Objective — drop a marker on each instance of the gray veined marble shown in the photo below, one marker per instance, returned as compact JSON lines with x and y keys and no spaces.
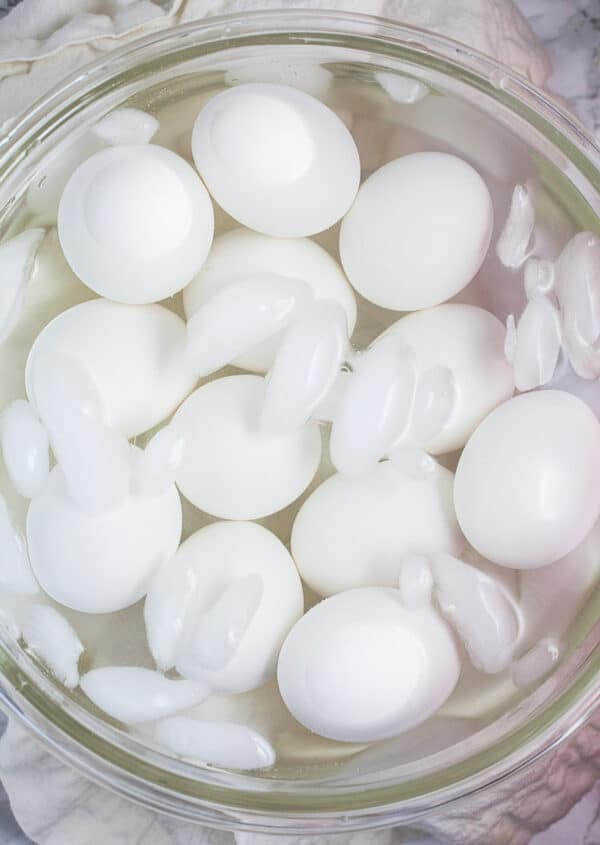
{"x":570,"y":31}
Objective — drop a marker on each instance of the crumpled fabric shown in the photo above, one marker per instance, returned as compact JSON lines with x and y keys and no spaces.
{"x":41,"y":41}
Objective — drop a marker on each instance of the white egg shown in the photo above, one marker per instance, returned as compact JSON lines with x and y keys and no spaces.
{"x":418,"y":231}
{"x":222,"y":607}
{"x":99,"y":564}
{"x":233,"y":469}
{"x":355,"y":531}
{"x":359,"y":666}
{"x":134,"y":353}
{"x":469,"y":341}
{"x":526,"y":490}
{"x":135,"y":223}
{"x":241,"y":253}
{"x":276,"y":159}
{"x":121,"y":126}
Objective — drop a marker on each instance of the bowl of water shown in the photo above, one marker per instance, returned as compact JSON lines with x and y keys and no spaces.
{"x":399,"y":91}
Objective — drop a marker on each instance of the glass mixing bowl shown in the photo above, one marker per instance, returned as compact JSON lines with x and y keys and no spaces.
{"x":511,"y":132}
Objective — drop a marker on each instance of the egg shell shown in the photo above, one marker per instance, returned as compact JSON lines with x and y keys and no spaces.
{"x":276,"y":159}
{"x":135,"y":223}
{"x":204,"y":566}
{"x":361,"y":667}
{"x":99,"y":564}
{"x":526,"y":490}
{"x":417,"y":232}
{"x":240,"y":253}
{"x":232,"y":469}
{"x":134,"y":353}
{"x":470,"y":342}
{"x":355,"y":531}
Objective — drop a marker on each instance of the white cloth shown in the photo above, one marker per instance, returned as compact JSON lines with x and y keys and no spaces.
{"x":41,"y":41}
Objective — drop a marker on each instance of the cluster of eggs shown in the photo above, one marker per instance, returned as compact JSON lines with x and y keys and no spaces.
{"x":380,"y":540}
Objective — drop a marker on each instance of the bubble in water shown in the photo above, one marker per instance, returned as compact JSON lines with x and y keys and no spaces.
{"x":218,"y":743}
{"x":239,"y":317}
{"x":24,"y":448}
{"x":49,"y":635}
{"x":514,"y":242}
{"x":538,"y":344}
{"x":306,"y":366}
{"x":133,"y":694}
{"x":375,"y":408}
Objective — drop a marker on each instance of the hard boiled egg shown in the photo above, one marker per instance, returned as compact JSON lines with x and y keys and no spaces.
{"x":276,"y":159}
{"x":133,"y":353}
{"x":360,"y":667}
{"x":354,"y":531}
{"x":417,"y":232}
{"x":101,"y":563}
{"x":232,"y":468}
{"x":526,"y":490}
{"x":135,"y":223}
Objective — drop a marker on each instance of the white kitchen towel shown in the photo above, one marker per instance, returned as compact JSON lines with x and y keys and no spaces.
{"x":41,"y":41}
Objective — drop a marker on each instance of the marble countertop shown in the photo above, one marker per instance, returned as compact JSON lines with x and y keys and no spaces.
{"x":570,"y":30}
